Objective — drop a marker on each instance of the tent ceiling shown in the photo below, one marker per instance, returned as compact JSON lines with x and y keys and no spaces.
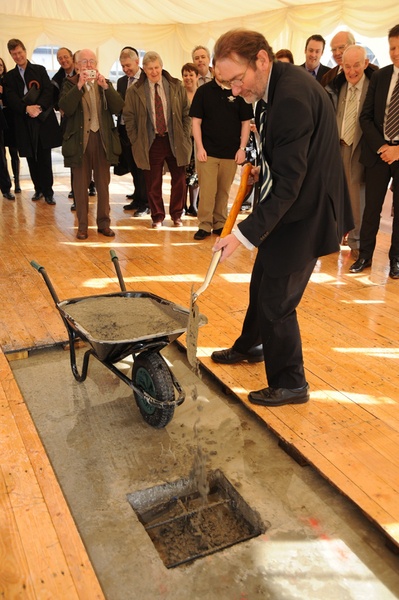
{"x":150,"y":12}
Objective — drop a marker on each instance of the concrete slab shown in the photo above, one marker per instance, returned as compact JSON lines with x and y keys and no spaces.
{"x":318,"y":545}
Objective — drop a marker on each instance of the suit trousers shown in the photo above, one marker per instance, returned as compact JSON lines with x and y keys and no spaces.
{"x":271,"y":319}
{"x":161,"y":152}
{"x":140,"y":193}
{"x":215,"y":177}
{"x":5,"y":181}
{"x":41,"y":171}
{"x":357,"y":197}
{"x":377,"y":180}
{"x":94,"y":160}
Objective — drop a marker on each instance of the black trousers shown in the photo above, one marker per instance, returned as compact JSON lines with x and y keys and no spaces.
{"x":5,"y":181}
{"x":140,"y":193}
{"x":41,"y":171}
{"x":377,"y":180}
{"x":271,"y":319}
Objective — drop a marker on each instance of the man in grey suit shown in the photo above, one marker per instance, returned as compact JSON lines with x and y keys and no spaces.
{"x":303,"y":211}
{"x":380,"y":155}
{"x":350,"y":102}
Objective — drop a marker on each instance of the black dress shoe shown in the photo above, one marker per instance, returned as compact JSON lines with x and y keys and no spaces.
{"x":394,"y":269}
{"x":130,"y":196}
{"x":73,"y":206}
{"x":18,"y":189}
{"x":217,"y":231}
{"x":201,"y":234}
{"x":132,"y":206}
{"x":360,"y":265}
{"x":107,"y":231}
{"x":231,"y":356}
{"x":37,"y":196}
{"x":50,"y":200}
{"x":70,"y":195}
{"x":9,"y":196}
{"x":279,"y":396}
{"x":92,"y":191}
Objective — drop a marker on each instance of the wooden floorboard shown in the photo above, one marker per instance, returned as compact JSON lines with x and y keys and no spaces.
{"x":349,"y":431}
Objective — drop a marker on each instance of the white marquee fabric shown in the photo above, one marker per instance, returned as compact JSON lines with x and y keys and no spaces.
{"x":173,"y":28}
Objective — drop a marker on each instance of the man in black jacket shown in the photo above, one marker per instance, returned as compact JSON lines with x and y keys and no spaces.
{"x":303,"y":211}
{"x":380,"y":156}
{"x":29,"y":95}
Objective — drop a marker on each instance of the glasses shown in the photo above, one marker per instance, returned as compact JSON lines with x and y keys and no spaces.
{"x":236,"y":82}
{"x":86,"y":62}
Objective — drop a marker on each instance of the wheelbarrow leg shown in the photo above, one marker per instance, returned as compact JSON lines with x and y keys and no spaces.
{"x":80,"y":377}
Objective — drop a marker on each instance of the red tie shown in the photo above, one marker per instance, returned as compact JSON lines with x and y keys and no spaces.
{"x":159,"y":114}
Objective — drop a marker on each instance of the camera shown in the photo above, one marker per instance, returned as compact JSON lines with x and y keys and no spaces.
{"x":91,"y":73}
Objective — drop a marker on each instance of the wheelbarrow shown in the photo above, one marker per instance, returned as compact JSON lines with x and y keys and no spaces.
{"x":127,"y":323}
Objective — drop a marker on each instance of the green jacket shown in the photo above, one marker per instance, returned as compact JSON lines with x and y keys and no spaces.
{"x":74,"y":105}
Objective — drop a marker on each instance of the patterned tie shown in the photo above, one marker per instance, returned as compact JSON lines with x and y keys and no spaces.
{"x":350,"y":118}
{"x":267,"y":182}
{"x":392,"y":123}
{"x":160,"y":123}
{"x":130,"y":81}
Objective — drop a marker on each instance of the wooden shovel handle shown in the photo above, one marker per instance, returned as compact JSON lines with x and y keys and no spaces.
{"x":243,"y":190}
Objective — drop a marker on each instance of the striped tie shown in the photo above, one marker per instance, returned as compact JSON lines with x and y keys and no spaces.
{"x":392,"y":123}
{"x":350,"y":118}
{"x":266,"y":184}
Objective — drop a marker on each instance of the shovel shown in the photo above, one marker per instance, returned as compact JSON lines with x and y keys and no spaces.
{"x":194,"y":316}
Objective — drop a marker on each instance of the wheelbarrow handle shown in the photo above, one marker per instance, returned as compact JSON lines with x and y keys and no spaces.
{"x":115,"y":260}
{"x":46,"y":278}
{"x":36,"y":265}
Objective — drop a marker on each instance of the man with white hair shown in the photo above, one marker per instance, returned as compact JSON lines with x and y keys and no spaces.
{"x":91,"y":142}
{"x":350,"y":102}
{"x":339,"y":43}
{"x":159,"y":128}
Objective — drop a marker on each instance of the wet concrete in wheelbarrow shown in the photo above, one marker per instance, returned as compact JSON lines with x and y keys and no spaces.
{"x":317,"y":544}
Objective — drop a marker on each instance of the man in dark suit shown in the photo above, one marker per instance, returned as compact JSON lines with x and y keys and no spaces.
{"x":129,"y":60}
{"x":314,"y":49}
{"x":380,"y":156}
{"x":29,"y":95}
{"x":303,"y":211}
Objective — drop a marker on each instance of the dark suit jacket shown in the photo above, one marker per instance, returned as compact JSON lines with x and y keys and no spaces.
{"x":28,"y":131}
{"x":57,"y":80}
{"x":121,"y":87}
{"x":372,"y":115}
{"x":308,"y":210}
{"x":320,"y":73}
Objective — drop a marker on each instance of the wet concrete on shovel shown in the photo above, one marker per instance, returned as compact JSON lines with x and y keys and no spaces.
{"x":315,"y":544}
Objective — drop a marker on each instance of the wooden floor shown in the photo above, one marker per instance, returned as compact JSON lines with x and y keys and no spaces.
{"x":349,"y":431}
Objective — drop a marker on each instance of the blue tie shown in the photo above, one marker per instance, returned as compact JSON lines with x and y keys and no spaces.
{"x":267,"y":182}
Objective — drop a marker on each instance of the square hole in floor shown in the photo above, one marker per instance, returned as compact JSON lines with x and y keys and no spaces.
{"x":185,"y":525}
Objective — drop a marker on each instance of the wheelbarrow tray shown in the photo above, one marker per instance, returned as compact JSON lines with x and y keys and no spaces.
{"x":115,"y":326}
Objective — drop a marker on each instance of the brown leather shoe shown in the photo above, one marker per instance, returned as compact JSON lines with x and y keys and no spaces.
{"x":82,"y":235}
{"x":107,"y":231}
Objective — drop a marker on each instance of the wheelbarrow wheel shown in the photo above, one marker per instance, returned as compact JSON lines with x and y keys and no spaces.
{"x":151,"y":374}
